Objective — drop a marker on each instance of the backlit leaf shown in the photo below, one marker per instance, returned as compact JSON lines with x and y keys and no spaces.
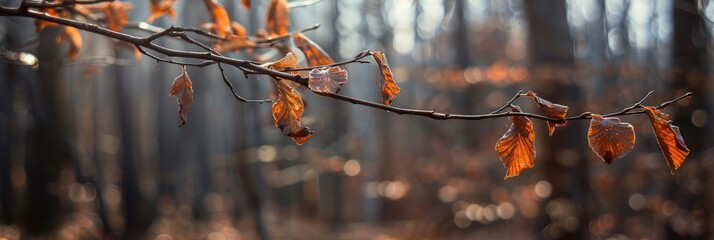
{"x":75,"y":41}
{"x":389,"y":87}
{"x":183,"y":89}
{"x":289,"y":61}
{"x":277,"y":20}
{"x":609,"y":138}
{"x":160,"y":8}
{"x":516,"y":147}
{"x":668,"y":137}
{"x":327,"y":79}
{"x":221,"y":23}
{"x":287,"y":110}
{"x":115,"y":12}
{"x":313,"y":53}
{"x":551,"y":110}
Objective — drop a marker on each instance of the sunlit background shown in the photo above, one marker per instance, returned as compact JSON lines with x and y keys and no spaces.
{"x":90,"y":149}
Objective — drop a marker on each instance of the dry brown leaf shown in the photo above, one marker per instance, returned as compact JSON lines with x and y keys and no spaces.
{"x":289,"y":61}
{"x":609,"y":138}
{"x":668,"y":137}
{"x":160,"y":8}
{"x":246,"y":4}
{"x":116,"y":15}
{"x":389,"y":87}
{"x":287,"y":111}
{"x":238,"y":29}
{"x":75,"y":41}
{"x":183,"y":89}
{"x":551,"y":110}
{"x":516,"y":147}
{"x":221,"y":23}
{"x":289,"y":107}
{"x":327,"y":80}
{"x":313,"y":53}
{"x":277,"y":20}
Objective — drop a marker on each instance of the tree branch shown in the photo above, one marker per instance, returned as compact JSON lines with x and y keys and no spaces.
{"x":210,"y":57}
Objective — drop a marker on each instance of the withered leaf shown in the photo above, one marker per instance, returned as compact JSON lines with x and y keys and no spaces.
{"x":389,"y":87}
{"x":289,"y":61}
{"x":609,"y":138}
{"x":516,"y":147}
{"x":289,"y":107}
{"x":238,"y":29}
{"x":327,"y":79}
{"x":160,"y":8}
{"x":277,"y":19}
{"x":115,"y":12}
{"x":668,"y":137}
{"x":183,"y":89}
{"x":551,"y":110}
{"x":75,"y":41}
{"x":221,"y":23}
{"x":287,"y":111}
{"x":313,"y":53}
{"x":246,"y":4}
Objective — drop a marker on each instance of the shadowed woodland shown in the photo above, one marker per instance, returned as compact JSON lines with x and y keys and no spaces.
{"x":91,"y":148}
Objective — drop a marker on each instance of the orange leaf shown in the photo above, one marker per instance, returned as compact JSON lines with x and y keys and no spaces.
{"x":551,"y":110}
{"x":287,"y":111}
{"x":183,"y":89}
{"x":75,"y":41}
{"x":289,"y":61}
{"x":160,"y":8}
{"x":668,"y":137}
{"x":609,"y":138}
{"x":221,"y":22}
{"x":516,"y":146}
{"x":289,"y":107}
{"x":115,"y":13}
{"x":327,"y":80}
{"x":246,"y":4}
{"x":238,"y":30}
{"x":389,"y":87}
{"x":277,"y":19}
{"x":314,"y":54}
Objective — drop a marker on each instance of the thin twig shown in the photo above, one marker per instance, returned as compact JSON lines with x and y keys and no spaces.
{"x":238,"y":97}
{"x":303,"y":3}
{"x":518,"y":94}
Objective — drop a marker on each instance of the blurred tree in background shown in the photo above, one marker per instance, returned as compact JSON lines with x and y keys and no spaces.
{"x":89,"y":149}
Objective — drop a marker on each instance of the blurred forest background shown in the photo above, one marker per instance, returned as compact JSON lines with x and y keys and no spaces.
{"x":91,"y":149}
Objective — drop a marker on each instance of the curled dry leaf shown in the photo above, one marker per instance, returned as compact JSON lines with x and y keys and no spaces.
{"x":277,"y":19}
{"x":160,"y":8}
{"x":668,"y":137}
{"x":551,"y":110}
{"x":221,"y":23}
{"x":327,"y":79}
{"x":313,"y":53}
{"x":287,"y":111}
{"x":389,"y":87}
{"x":115,"y":12}
{"x":183,"y":89}
{"x":609,"y":138}
{"x":288,"y":108}
{"x":75,"y":41}
{"x":516,"y":147}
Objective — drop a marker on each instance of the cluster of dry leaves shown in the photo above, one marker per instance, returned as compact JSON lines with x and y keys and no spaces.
{"x":608,"y":137}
